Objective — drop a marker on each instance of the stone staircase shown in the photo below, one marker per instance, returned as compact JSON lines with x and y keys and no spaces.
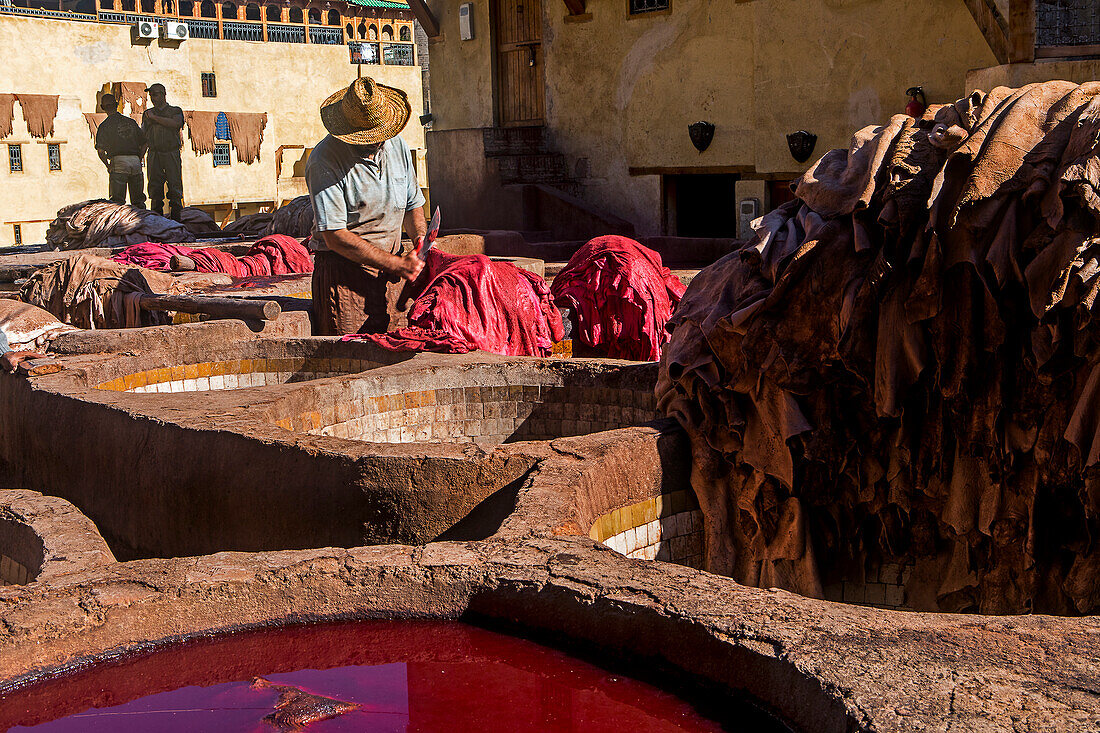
{"x":524,"y":157}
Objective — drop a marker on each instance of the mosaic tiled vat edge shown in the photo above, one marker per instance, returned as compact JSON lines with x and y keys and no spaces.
{"x":488,"y":402}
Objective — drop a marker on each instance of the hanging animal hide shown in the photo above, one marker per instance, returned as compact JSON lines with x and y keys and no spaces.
{"x":200,"y":128}
{"x":246,"y":130}
{"x":7,"y":111}
{"x":94,"y":119}
{"x":131,"y":95}
{"x":39,"y":112}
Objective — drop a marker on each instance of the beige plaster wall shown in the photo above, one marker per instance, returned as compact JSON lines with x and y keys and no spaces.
{"x":74,"y":59}
{"x":462,"y":71}
{"x":622,"y":90}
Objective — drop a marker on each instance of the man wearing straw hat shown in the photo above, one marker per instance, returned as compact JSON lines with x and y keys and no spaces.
{"x":362,"y":182}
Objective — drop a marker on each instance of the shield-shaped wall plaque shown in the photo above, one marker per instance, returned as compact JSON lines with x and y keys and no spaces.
{"x":701,"y":135}
{"x":802,"y":145}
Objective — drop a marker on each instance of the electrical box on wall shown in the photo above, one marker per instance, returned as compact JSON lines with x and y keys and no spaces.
{"x":750,"y":209}
{"x":466,"y":21}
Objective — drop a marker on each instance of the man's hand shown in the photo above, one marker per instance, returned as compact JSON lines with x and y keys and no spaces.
{"x":12,"y":359}
{"x":409,"y":267}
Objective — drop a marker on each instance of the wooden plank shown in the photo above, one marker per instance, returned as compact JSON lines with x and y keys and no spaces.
{"x":260,"y":310}
{"x":426,"y":17}
{"x":992,"y":25}
{"x":1021,"y":31}
{"x":1061,"y":52}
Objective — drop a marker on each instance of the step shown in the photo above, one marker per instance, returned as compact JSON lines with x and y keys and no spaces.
{"x":514,"y":141}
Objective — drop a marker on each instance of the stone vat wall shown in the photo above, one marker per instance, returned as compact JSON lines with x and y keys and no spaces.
{"x":20,"y":553}
{"x":43,"y":537}
{"x":166,"y":477}
{"x":820,"y":666}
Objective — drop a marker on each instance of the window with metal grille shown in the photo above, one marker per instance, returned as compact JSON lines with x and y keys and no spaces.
{"x":17,"y":230}
{"x":209,"y":85}
{"x":1067,"y":23}
{"x":364,"y":53}
{"x":647,"y":6}
{"x":398,"y":54}
{"x":221,"y":154}
{"x":53,"y":152}
{"x":221,"y":127}
{"x":15,"y":158}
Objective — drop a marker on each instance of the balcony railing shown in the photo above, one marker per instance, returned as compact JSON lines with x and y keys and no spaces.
{"x":63,"y":15}
{"x":202,"y":28}
{"x":1067,"y":23}
{"x":109,"y":16}
{"x":326,"y":36}
{"x":372,"y":52}
{"x":234,"y":31}
{"x":280,"y":33}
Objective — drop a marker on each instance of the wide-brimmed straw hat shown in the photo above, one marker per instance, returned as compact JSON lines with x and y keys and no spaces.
{"x":366,"y":113}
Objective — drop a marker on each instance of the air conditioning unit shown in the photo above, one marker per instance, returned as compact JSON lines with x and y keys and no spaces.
{"x":146,"y":29}
{"x":175,"y":31}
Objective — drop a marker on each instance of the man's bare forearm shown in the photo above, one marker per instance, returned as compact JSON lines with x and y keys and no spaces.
{"x":353,"y":247}
{"x":416,"y":225}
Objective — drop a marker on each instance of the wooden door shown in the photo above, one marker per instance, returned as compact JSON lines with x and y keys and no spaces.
{"x":520,"y":90}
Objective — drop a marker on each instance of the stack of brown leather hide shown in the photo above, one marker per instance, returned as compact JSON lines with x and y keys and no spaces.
{"x":904,"y":365}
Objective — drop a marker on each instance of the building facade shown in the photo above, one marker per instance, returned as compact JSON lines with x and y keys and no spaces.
{"x":605,"y":91}
{"x":278,"y":58}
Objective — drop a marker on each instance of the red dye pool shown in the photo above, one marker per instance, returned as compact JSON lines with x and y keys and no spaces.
{"x":377,"y":676}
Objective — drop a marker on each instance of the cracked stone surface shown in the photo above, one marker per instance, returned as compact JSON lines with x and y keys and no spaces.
{"x":821,"y":666}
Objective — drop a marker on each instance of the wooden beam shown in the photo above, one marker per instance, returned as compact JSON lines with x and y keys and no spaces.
{"x":992,"y":25}
{"x":1021,"y":31}
{"x":575,"y":7}
{"x":424,"y":14}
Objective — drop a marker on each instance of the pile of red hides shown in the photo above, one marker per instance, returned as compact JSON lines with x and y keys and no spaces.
{"x":471,"y":302}
{"x":623,"y":296}
{"x":273,"y":255}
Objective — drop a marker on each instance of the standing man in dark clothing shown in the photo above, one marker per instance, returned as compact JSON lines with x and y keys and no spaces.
{"x":120,"y":144}
{"x":162,"y":124}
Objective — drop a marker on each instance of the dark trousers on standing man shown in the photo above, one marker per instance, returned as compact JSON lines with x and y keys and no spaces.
{"x":124,"y":172}
{"x":166,"y":169}
{"x":118,"y":183}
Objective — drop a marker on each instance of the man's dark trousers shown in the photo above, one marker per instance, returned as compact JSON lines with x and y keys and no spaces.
{"x":118,"y":183}
{"x":165,"y":168}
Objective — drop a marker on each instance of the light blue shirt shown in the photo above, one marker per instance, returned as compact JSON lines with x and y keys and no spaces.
{"x":366,"y":195}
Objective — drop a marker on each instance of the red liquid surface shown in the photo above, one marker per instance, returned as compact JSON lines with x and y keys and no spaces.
{"x":405,"y":675}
